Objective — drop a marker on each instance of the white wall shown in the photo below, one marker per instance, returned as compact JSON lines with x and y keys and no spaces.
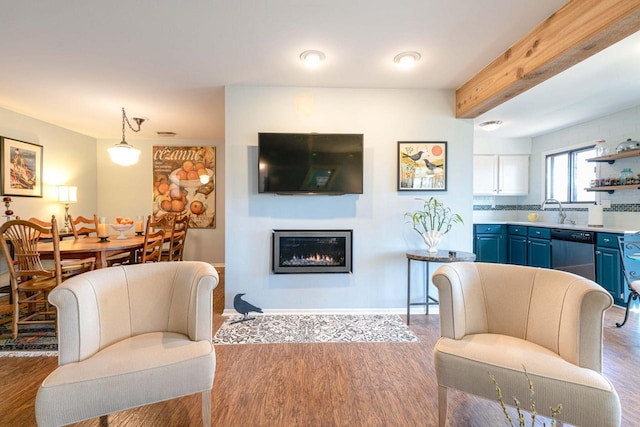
{"x":488,"y":145}
{"x":68,"y":158}
{"x":381,"y":236}
{"x":128,"y":191}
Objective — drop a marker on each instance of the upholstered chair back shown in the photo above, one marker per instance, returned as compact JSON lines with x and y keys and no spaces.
{"x":537,"y":305}
{"x":134,"y":300}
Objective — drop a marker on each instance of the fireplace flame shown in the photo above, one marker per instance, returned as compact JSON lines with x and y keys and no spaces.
{"x":314,"y":259}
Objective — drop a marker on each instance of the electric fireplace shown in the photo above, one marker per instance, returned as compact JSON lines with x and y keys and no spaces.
{"x":312,"y":251}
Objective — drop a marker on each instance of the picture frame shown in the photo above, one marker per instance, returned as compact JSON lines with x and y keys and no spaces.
{"x":178,"y":187}
{"x":21,"y":168}
{"x":422,"y":165}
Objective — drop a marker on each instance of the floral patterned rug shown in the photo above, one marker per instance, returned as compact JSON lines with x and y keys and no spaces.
{"x":293,"y":328}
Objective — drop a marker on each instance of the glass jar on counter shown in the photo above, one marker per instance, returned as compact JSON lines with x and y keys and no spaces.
{"x":626,"y":176}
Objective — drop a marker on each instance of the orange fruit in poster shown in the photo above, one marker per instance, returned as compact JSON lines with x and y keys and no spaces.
{"x":202,"y":171}
{"x":191,"y":175}
{"x":198,"y":165}
{"x":176,"y":193}
{"x":181,"y":174}
{"x":177,"y":205}
{"x":436,"y":150}
{"x":166,"y":205}
{"x":163,"y":188}
{"x":196,"y":207}
{"x":187,"y":165}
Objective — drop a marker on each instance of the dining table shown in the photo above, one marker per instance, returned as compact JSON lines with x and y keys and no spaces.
{"x":85,"y":247}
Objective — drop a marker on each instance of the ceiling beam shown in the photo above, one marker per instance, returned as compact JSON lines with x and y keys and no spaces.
{"x":579,"y":29}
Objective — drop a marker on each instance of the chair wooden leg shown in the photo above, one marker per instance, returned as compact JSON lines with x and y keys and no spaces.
{"x":442,"y":406}
{"x":104,"y":421}
{"x":206,"y":408}
{"x":16,"y":314}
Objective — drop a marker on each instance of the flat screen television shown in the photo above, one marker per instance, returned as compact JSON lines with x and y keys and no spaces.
{"x":310,"y":163}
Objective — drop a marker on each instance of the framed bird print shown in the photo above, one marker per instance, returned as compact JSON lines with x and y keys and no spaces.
{"x":422,"y":166}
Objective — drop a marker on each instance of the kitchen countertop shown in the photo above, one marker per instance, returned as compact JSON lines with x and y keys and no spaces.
{"x":562,"y":226}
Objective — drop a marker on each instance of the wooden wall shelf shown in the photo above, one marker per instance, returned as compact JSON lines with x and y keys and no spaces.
{"x":611,"y":188}
{"x":611,"y":158}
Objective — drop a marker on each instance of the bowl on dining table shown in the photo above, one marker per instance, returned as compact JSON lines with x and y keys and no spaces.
{"x":121,"y":228}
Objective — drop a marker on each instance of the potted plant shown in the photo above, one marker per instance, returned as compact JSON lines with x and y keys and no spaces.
{"x":433,"y":221}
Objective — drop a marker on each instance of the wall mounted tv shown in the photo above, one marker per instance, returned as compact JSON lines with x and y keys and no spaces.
{"x":310,"y":163}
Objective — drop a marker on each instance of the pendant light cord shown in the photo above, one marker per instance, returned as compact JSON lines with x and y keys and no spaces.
{"x":126,"y":119}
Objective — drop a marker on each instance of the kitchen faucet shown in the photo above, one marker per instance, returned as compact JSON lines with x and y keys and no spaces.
{"x":563,"y":215}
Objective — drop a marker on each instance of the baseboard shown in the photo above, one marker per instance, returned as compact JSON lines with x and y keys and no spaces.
{"x":309,"y":311}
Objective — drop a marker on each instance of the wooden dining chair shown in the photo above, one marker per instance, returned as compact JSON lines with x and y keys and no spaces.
{"x":31,"y":282}
{"x":83,"y":227}
{"x":154,"y":238}
{"x":70,"y":266}
{"x":175,"y":249}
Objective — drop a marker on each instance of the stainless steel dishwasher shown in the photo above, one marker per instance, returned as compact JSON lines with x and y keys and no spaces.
{"x":573,"y":251}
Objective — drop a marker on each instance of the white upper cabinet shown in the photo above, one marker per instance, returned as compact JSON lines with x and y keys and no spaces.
{"x":503,"y":175}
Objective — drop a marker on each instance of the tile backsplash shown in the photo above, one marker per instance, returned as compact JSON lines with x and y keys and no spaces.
{"x":620,"y":215}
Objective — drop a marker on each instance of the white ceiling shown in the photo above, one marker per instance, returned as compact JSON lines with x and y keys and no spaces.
{"x":76,"y":63}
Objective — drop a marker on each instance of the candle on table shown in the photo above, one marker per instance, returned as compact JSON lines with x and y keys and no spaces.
{"x":103,"y":227}
{"x":103,"y":230}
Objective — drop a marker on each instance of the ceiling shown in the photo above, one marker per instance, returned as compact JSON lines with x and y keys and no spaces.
{"x":75,"y":64}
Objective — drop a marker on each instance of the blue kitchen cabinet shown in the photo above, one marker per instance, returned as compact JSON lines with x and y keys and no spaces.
{"x":490,"y":243}
{"x":609,"y":273}
{"x":517,"y":244}
{"x":539,"y":247}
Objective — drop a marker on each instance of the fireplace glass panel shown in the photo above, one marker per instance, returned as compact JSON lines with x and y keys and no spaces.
{"x":312,"y":251}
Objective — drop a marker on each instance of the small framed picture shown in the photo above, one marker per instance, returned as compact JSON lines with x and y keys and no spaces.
{"x":422,"y":166}
{"x":21,"y":168}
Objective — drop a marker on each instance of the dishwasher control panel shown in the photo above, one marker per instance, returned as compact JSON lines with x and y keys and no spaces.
{"x":573,"y":235}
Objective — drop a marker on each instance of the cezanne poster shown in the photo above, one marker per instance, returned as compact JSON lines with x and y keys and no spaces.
{"x":184,"y":182}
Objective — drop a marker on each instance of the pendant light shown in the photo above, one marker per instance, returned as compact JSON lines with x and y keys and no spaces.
{"x":124,"y":154}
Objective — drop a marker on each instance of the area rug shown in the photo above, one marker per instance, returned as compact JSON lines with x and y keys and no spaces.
{"x":33,"y":340}
{"x":292,"y":328}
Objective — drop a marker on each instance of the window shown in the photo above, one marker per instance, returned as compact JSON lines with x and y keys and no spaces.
{"x":568,"y":173}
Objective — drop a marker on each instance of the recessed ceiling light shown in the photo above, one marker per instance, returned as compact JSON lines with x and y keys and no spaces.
{"x":407,"y":59}
{"x":312,"y":58}
{"x":491,"y":125}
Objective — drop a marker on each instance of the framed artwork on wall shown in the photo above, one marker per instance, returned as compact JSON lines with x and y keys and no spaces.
{"x":21,"y":168}
{"x":184,"y":180}
{"x":422,"y":166}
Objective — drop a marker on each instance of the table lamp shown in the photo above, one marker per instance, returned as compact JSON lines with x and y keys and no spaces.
{"x":67,"y":194}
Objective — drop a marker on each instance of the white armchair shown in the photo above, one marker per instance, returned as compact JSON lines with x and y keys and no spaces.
{"x":496,"y":318}
{"x":130,"y":336}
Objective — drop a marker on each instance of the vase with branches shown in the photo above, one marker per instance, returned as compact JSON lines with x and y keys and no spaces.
{"x":432,"y":221}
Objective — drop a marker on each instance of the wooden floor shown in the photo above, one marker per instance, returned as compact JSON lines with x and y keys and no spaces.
{"x":326,"y":385}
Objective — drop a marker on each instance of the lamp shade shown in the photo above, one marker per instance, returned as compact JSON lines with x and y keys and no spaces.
{"x":67,"y":194}
{"x":124,"y":154}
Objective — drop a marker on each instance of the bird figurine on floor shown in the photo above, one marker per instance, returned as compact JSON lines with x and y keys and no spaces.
{"x":414,"y":157}
{"x":243,"y":307}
